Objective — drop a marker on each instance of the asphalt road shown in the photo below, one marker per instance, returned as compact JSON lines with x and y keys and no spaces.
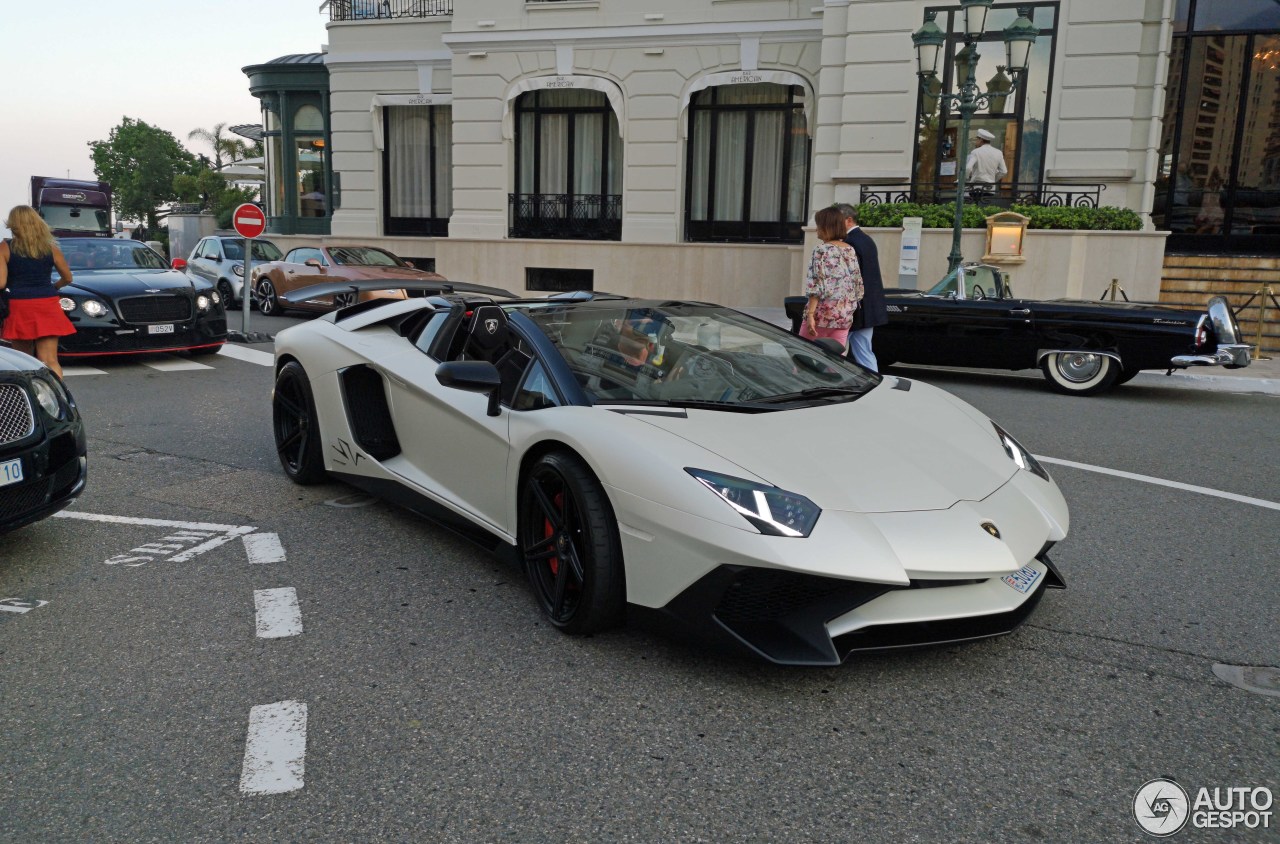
{"x":439,"y":707}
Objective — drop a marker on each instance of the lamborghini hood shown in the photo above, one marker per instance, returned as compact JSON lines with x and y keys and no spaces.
{"x":891,"y":450}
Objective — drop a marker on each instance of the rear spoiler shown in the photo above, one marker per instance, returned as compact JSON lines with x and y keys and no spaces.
{"x":318,"y":291}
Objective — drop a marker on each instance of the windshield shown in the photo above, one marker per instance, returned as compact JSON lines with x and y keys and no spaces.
{"x":694,"y":354}
{"x":263,"y":250}
{"x":363,"y":256}
{"x":104,"y":254}
{"x":980,"y":282}
{"x":69,"y":218}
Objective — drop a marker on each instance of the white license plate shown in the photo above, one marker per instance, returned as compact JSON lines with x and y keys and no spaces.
{"x":160,"y":329}
{"x":10,"y":472}
{"x":1023,"y":579}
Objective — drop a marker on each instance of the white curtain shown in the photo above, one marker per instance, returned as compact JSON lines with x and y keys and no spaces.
{"x":411,"y":131}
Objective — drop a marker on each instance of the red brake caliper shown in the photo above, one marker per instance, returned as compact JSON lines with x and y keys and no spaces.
{"x":547,"y":530}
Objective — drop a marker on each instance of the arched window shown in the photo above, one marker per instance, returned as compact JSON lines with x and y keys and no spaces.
{"x":748,"y":171}
{"x":568,"y":166}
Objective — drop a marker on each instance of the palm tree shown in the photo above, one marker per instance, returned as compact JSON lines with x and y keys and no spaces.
{"x":233,"y":148}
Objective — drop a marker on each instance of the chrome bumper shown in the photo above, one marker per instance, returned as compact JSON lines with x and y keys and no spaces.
{"x":1231,"y":356}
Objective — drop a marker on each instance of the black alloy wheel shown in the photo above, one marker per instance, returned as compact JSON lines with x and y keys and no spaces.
{"x":569,"y":543}
{"x":268,"y":304}
{"x":228,"y":297}
{"x":297,"y":430}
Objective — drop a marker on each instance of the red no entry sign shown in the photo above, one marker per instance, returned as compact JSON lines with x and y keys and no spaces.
{"x":249,"y":221}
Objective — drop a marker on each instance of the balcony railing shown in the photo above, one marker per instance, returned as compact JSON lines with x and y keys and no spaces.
{"x":1004,"y":195}
{"x":359,"y":10}
{"x":568,"y":216}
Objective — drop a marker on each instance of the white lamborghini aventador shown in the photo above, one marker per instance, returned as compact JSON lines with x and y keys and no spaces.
{"x":678,"y":460}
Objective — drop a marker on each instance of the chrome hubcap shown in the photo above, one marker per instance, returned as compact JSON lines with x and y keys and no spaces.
{"x":1079,"y":367}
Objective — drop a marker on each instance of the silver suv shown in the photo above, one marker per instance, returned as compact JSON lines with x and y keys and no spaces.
{"x":220,"y":260}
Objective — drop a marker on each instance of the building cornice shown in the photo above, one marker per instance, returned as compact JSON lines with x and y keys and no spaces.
{"x":661,"y":35}
{"x":382,"y":57}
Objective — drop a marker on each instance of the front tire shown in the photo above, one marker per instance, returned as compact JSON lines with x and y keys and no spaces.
{"x":1079,"y":373}
{"x":268,"y":304}
{"x":228,"y":297}
{"x":569,"y":543}
{"x":297,"y":429}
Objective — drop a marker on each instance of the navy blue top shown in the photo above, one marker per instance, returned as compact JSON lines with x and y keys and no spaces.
{"x":30,"y":278}
{"x":872,"y":311}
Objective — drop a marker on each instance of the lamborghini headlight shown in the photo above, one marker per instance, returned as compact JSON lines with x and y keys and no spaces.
{"x":47,"y":398}
{"x":1018,"y":454}
{"x":770,"y":510}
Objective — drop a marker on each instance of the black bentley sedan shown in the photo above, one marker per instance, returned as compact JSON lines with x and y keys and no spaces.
{"x":42,"y":445}
{"x":125,"y":299}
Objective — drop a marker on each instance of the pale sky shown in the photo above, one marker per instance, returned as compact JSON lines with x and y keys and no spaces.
{"x":70,"y":70}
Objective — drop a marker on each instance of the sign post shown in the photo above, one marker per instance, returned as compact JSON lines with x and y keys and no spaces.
{"x":909,"y":252}
{"x":249,"y":222}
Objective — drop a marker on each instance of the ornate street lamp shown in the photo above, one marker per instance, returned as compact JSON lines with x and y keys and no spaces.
{"x":929,"y":41}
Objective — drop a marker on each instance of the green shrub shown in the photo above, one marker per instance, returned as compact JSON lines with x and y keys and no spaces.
{"x":1107,"y":218}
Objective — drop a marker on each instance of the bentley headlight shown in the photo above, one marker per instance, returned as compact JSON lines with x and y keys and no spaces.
{"x":203,"y":302}
{"x":215,"y":296}
{"x":67,"y":304}
{"x":93,"y":308}
{"x":772,"y":511}
{"x":238,"y":269}
{"x":47,"y":398}
{"x":1018,"y":454}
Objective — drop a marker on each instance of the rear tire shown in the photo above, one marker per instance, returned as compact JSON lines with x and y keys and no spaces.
{"x":1079,"y":373}
{"x":268,"y":304}
{"x":569,"y":543}
{"x":297,"y":429}
{"x":1126,"y":375}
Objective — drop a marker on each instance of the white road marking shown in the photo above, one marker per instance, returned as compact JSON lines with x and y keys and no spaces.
{"x":1147,"y":479}
{"x":263,"y":548}
{"x":72,"y":371}
{"x":275,"y":751}
{"x":165,"y":523}
{"x":210,"y":545}
{"x":174,"y":365}
{"x":248,"y":355}
{"x":279,"y":615}
{"x":21,"y":606}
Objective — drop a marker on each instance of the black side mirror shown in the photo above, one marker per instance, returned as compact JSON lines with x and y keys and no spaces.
{"x":475,"y":376}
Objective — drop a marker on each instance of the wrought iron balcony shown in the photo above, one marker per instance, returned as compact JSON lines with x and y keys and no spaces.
{"x":1050,"y":195}
{"x":568,"y":216}
{"x":359,"y":10}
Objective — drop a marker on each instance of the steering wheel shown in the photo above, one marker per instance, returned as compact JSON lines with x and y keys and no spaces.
{"x":978,"y":292}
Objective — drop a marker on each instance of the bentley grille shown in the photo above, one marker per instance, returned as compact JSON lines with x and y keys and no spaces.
{"x":16,"y":418}
{"x":145,"y":309}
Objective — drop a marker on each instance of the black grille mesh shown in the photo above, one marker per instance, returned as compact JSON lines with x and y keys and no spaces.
{"x":16,"y":501}
{"x":145,"y":309}
{"x":16,"y":419}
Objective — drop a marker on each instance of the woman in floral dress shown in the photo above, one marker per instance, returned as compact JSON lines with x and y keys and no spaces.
{"x":833,"y":282}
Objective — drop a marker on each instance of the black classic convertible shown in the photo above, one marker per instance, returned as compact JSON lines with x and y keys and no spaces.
{"x":971,"y":318}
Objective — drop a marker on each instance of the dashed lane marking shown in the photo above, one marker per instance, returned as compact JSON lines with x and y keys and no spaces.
{"x":174,"y":365}
{"x":263,"y":548}
{"x":1147,"y":479}
{"x":278,"y":613}
{"x":276,"y":749}
{"x":73,"y":371}
{"x":248,"y":355}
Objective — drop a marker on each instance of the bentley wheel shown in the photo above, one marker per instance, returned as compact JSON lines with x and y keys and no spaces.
{"x":267,"y":301}
{"x":293,"y":416}
{"x":569,"y":543}
{"x":228,"y":297}
{"x":1079,"y":373}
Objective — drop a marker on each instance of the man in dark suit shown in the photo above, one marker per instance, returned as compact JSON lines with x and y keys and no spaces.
{"x":871,"y":312}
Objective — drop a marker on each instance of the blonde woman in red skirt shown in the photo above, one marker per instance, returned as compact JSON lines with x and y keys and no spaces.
{"x":27,"y":262}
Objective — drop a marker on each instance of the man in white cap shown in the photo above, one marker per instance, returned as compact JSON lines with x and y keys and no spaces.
{"x":985,"y":165}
